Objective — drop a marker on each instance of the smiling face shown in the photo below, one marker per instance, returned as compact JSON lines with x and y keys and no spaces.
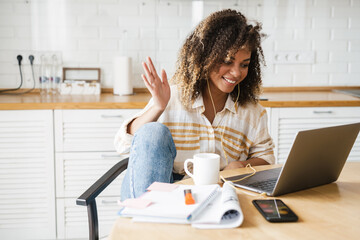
{"x":230,"y":73}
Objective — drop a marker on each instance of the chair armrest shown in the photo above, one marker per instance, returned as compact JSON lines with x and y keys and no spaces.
{"x":94,"y":190}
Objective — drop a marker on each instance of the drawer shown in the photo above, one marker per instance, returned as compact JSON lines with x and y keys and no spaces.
{"x":88,"y":130}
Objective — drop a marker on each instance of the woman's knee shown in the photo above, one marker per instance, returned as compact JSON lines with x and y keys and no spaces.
{"x":156,"y":134}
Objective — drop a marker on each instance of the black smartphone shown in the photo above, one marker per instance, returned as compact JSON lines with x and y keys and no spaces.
{"x":275,"y":210}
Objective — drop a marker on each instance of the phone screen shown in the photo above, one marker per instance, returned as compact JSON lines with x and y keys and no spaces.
{"x":275,"y":210}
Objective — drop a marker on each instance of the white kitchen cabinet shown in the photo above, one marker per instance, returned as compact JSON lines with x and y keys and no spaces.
{"x":27,"y":195}
{"x":286,"y":122}
{"x":88,"y":130}
{"x":84,"y":151}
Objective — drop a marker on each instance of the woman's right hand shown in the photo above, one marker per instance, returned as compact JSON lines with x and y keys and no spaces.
{"x":159,"y":88}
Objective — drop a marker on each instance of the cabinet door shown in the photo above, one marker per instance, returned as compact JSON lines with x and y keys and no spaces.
{"x":76,"y":171}
{"x":73,"y":220}
{"x":27,"y":197}
{"x":88,"y":130}
{"x":286,"y":122}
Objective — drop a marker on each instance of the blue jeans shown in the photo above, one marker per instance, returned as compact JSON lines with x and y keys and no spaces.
{"x":151,"y":160}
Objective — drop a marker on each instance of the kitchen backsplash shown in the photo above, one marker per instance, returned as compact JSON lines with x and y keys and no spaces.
{"x":309,"y":42}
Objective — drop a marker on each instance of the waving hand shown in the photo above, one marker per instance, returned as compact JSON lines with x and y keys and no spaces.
{"x":158,"y":87}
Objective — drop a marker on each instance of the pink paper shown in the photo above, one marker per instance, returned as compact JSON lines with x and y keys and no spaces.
{"x":162,"y":187}
{"x":138,"y":203}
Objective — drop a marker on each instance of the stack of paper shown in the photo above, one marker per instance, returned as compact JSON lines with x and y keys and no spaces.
{"x":214,"y":207}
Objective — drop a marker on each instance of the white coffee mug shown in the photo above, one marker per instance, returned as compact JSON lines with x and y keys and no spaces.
{"x":206,"y":168}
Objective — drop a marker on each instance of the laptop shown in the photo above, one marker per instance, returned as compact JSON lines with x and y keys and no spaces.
{"x":316,"y":158}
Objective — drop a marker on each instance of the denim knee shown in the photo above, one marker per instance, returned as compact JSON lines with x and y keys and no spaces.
{"x":156,"y":135}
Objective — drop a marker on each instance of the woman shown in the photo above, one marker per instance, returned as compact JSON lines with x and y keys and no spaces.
{"x":211,"y":107}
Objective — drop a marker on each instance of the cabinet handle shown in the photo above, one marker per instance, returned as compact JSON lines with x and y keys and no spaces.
{"x":323,"y":112}
{"x":111,"y":116}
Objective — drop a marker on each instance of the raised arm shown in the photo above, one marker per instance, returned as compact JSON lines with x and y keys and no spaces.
{"x":160,"y":91}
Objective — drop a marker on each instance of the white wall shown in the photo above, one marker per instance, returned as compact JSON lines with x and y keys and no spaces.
{"x":89,"y":33}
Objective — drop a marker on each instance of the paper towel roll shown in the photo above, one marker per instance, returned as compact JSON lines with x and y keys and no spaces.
{"x":122,"y":76}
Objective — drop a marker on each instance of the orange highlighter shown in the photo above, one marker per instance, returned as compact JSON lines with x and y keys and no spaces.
{"x":188,"y":197}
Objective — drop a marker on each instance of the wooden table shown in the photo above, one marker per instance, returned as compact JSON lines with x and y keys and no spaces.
{"x":331,"y":211}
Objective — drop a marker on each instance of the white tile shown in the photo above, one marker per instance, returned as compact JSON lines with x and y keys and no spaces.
{"x":6,"y":8}
{"x":119,"y":32}
{"x":73,"y":8}
{"x":167,"y":33}
{"x":354,"y":67}
{"x":354,"y":22}
{"x":324,"y":3}
{"x":9,"y":81}
{"x":345,"y":79}
{"x":168,"y":8}
{"x":291,"y":22}
{"x":333,"y":45}
{"x":139,"y":45}
{"x":128,"y":9}
{"x":355,"y":45}
{"x":14,"y":20}
{"x":79,"y":56}
{"x":147,"y":8}
{"x":82,"y":32}
{"x":170,"y":44}
{"x":108,"y":56}
{"x":15,"y":44}
{"x":292,"y":68}
{"x":346,"y":12}
{"x":344,"y":56}
{"x":311,"y":79}
{"x":293,"y":45}
{"x":22,"y":32}
{"x":308,"y":12}
{"x":329,"y":23}
{"x":21,"y":8}
{"x":9,"y":68}
{"x":6,"y":32}
{"x":279,"y":79}
{"x":148,"y":33}
{"x":312,"y":34}
{"x":165,"y":21}
{"x":136,"y":21}
{"x":97,"y":21}
{"x":344,"y":34}
{"x":322,"y":56}
{"x":98,"y":44}
{"x":339,"y":67}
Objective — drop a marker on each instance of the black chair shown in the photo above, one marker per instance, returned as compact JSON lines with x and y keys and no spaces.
{"x":88,"y":197}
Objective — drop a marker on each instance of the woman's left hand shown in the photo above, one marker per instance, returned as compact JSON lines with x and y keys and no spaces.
{"x":233,"y":165}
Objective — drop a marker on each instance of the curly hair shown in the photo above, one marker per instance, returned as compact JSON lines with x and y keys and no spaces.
{"x":216,"y":38}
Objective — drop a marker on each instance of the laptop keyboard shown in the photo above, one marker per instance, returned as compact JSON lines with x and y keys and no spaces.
{"x":266,"y":186}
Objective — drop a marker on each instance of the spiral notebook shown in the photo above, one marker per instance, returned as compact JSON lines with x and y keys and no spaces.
{"x":215,"y":207}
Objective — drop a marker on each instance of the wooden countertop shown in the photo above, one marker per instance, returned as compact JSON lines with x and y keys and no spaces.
{"x":276,"y":97}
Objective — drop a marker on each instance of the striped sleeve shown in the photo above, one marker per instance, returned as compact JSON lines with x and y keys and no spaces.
{"x":123,"y":139}
{"x":263,"y":146}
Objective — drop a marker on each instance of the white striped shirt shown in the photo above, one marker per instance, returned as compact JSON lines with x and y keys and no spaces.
{"x":242,"y":133}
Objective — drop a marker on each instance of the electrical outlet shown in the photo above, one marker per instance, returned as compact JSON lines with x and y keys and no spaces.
{"x":37,"y":57}
{"x":294,"y":57}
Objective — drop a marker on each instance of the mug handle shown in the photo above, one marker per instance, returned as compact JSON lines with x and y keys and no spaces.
{"x":186,"y":167}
